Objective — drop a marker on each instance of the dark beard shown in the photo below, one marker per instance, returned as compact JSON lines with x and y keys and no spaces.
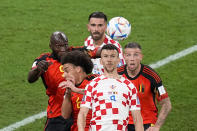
{"x":109,"y":71}
{"x":97,"y":37}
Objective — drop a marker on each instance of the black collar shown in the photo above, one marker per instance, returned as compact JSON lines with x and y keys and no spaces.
{"x":55,"y":57}
{"x":133,"y":78}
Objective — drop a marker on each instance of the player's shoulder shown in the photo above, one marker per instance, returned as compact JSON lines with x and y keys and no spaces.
{"x":121,"y":69}
{"x":87,"y":40}
{"x":109,"y":40}
{"x":148,"y":71}
{"x":98,"y":78}
{"x":127,"y":82}
{"x":91,"y":76}
{"x":43,"y":56}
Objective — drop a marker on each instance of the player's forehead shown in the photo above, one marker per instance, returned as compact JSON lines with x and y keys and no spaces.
{"x":97,"y":21}
{"x":67,"y":66}
{"x":61,"y":43}
{"x":108,"y":52}
{"x":132,"y":50}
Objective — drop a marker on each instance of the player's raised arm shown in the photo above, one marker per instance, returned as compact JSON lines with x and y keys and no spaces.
{"x":36,"y":72}
{"x":81,"y":121}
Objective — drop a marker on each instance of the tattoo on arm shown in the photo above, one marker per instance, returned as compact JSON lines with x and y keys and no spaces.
{"x":165,"y":109}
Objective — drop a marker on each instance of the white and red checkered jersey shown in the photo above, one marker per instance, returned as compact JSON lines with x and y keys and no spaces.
{"x":98,"y":68}
{"x":110,"y":100}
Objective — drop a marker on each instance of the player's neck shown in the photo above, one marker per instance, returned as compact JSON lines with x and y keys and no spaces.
{"x":98,"y":43}
{"x":134,"y":73}
{"x":113,"y":74}
{"x":81,"y":77}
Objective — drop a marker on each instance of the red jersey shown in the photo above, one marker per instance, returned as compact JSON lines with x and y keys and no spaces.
{"x":76,"y":100}
{"x":150,"y":88}
{"x":51,"y":79}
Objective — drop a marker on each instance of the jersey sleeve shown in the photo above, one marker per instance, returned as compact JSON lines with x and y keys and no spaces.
{"x":159,"y":89}
{"x":34,"y":65}
{"x":41,"y":57}
{"x":156,"y":83}
{"x":134,"y":100}
{"x":161,"y":93}
{"x":87,"y":98}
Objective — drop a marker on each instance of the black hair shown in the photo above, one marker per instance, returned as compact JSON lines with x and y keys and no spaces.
{"x":109,"y":47}
{"x":133,"y":45}
{"x":58,"y":37}
{"x":78,"y":58}
{"x":97,"y":15}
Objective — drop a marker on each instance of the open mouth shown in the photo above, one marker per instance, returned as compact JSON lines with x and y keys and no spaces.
{"x":131,"y":65}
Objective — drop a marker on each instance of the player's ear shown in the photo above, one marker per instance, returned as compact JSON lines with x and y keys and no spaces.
{"x":118,"y":60}
{"x":101,"y":61}
{"x":124,"y":55}
{"x":50,"y":45}
{"x":78,"y":69}
{"x":141,"y":56}
{"x":105,"y":26}
{"x":88,"y":27}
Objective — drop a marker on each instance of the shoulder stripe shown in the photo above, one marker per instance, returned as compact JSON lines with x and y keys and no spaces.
{"x":152,"y":73}
{"x":121,"y":69}
{"x":43,"y":56}
{"x":92,"y":76}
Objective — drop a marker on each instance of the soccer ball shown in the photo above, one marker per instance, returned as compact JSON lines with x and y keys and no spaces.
{"x":118,"y":28}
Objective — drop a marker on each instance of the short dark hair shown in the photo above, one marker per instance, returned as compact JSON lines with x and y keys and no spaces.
{"x":133,"y":45}
{"x":58,"y":37}
{"x":109,"y":47}
{"x":78,"y":58}
{"x":97,"y":15}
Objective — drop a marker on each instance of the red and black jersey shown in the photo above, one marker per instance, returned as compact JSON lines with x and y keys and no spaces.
{"x":51,"y":79}
{"x":91,"y":53}
{"x":150,"y":88}
{"x":76,"y":100}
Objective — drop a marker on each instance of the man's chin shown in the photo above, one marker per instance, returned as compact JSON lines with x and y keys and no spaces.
{"x":109,"y":70}
{"x":97,"y":37}
{"x":61,"y":54}
{"x":132,"y":67}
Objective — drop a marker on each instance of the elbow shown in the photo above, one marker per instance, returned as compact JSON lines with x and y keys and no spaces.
{"x":66,"y":115}
{"x":30,"y":80}
{"x":31,"y":77}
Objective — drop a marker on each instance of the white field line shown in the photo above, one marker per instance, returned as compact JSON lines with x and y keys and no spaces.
{"x":174,"y":57}
{"x":154,"y":65}
{"x":24,"y":121}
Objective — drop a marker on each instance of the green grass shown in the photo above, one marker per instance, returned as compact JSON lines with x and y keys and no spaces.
{"x":161,"y":27}
{"x":180,"y":81}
